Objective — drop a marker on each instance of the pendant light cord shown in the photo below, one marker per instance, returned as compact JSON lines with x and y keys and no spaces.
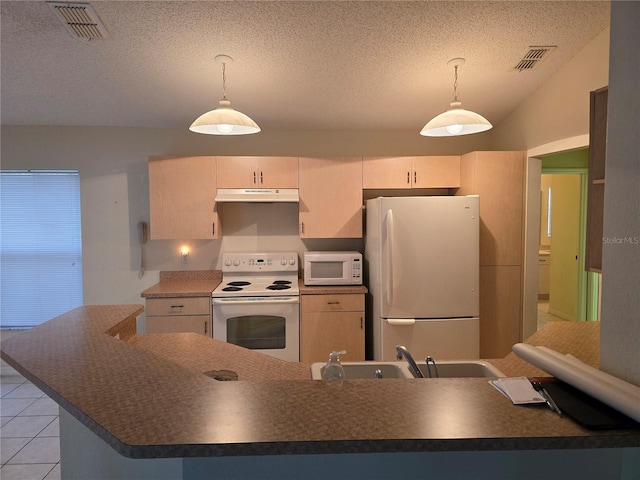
{"x":224,"y":80}
{"x":455,"y":84}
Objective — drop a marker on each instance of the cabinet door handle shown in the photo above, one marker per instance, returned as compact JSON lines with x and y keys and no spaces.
{"x":415,"y":178}
{"x":361,"y":323}
{"x":408,"y":178}
{"x":333,"y":303}
{"x":302,"y":227}
{"x":213,"y":228}
{"x":205,"y":327}
{"x":254,"y":178}
{"x":176,"y":307}
{"x":261,"y":179}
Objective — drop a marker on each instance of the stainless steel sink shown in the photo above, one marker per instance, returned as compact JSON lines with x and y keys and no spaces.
{"x":446,"y":369}
{"x":461,"y":369}
{"x":353,"y":370}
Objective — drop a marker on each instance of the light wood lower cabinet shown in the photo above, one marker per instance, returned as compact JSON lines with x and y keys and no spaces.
{"x":500,"y":309}
{"x":331,"y":323}
{"x":179,"y":315}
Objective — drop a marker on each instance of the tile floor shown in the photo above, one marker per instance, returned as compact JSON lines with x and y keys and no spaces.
{"x":544,"y":316}
{"x":29,"y":430}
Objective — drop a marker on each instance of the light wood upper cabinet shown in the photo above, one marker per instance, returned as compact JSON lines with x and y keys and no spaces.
{"x":595,"y":191}
{"x":498,"y":177}
{"x":251,"y":172}
{"x":411,"y":172}
{"x":436,"y":172}
{"x":330,"y":197}
{"x":387,"y":172}
{"x":182,"y":198}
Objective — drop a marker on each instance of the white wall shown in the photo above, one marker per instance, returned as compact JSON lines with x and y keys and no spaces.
{"x":115,"y":192}
{"x":559,"y":108}
{"x":555,"y":115}
{"x":620,"y":330}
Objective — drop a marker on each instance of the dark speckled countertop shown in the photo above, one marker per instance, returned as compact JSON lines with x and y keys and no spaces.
{"x":200,"y":283}
{"x":147,"y":397}
{"x":192,"y":283}
{"x":331,"y":290}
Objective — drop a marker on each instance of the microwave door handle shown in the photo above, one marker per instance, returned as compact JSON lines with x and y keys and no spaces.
{"x":262,"y":301}
{"x":390,"y":279}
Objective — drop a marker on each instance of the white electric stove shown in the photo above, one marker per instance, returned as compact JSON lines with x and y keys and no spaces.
{"x":256,"y":305}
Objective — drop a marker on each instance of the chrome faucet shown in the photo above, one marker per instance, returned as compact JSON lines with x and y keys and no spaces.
{"x":401,"y":351}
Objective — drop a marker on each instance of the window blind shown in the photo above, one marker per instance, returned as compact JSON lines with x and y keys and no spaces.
{"x":40,"y":246}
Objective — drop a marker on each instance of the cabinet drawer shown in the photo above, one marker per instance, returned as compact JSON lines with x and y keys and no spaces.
{"x":333,"y":303}
{"x":178,"y":306}
{"x":180,"y":324}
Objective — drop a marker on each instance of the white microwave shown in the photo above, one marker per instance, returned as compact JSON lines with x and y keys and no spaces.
{"x":332,"y":268}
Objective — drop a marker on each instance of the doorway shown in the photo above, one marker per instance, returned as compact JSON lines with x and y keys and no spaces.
{"x":564,"y":287}
{"x":561,"y":290}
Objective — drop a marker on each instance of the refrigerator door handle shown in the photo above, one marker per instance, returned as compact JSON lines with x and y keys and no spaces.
{"x":389,"y":224}
{"x":401,"y":321}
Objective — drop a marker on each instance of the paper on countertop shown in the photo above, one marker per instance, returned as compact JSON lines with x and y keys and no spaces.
{"x":517,"y":389}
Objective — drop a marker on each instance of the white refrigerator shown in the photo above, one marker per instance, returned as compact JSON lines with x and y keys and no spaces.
{"x":423,"y":260}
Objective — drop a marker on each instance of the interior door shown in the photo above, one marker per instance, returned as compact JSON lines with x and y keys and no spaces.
{"x":566,"y":264}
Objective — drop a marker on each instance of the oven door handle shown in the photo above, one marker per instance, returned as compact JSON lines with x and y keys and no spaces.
{"x":262,"y":301}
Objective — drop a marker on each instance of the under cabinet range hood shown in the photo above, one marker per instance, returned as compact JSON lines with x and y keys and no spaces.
{"x":264,"y":195}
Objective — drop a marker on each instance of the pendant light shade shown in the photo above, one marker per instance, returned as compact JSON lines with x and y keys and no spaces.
{"x":224,"y":120}
{"x":455,"y":121}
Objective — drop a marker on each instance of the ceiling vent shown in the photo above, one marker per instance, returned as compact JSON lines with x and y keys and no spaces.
{"x":80,"y":20}
{"x":533,"y":57}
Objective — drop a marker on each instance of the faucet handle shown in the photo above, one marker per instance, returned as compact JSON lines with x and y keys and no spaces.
{"x":429,"y":361}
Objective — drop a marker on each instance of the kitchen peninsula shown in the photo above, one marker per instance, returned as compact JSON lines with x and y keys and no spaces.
{"x":143,"y":408}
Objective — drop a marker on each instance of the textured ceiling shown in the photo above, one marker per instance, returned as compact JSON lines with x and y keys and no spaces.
{"x":319,"y":65}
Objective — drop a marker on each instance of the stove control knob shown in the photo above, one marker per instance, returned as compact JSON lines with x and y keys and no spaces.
{"x":292,"y":261}
{"x":283,"y":261}
{"x":236,"y":262}
{"x":227,"y":262}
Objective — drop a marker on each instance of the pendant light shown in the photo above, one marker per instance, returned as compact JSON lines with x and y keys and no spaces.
{"x":456,"y":120}
{"x":224,"y":120}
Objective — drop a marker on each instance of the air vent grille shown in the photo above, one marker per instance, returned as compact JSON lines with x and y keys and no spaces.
{"x":533,"y":57}
{"x":80,"y":20}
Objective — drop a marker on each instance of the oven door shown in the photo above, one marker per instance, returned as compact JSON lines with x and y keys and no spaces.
{"x":269,"y":325}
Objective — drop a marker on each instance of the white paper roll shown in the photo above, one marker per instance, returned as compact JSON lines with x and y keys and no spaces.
{"x":617,"y":393}
{"x":610,"y":380}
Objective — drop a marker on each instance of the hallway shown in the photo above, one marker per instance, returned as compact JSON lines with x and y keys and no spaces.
{"x":544,"y":316}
